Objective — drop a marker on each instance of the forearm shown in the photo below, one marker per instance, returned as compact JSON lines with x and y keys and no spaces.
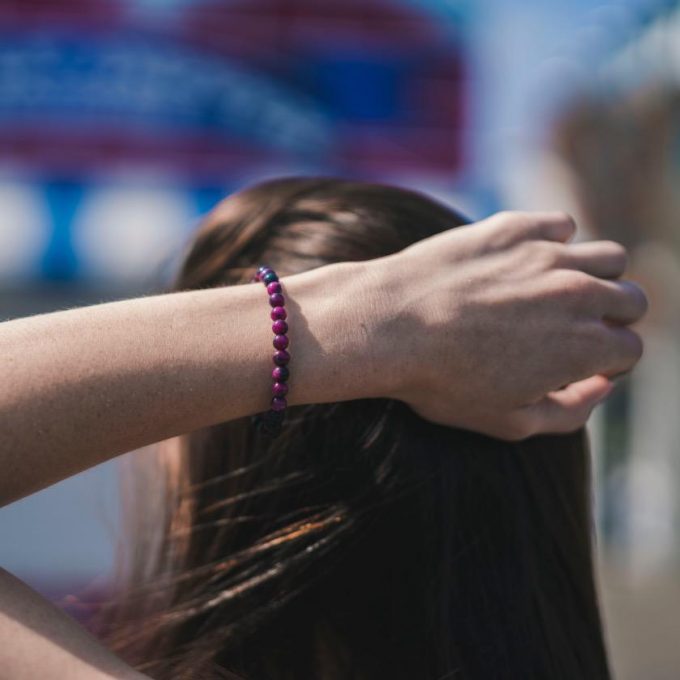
{"x":41,"y":641}
{"x":83,"y":385}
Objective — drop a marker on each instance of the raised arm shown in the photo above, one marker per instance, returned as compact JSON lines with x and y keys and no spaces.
{"x":83,"y":385}
{"x":475,"y":327}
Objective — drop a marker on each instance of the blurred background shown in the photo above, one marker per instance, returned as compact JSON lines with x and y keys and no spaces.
{"x":123,"y":121}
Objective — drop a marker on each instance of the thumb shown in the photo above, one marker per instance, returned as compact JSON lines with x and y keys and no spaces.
{"x":568,"y":409}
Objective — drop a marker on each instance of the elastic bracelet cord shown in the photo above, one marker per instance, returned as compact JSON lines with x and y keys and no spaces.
{"x":270,"y":422}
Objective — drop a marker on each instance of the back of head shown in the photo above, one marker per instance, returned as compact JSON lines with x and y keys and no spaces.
{"x":364,"y":542}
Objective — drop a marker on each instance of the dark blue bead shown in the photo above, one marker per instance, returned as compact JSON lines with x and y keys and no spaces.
{"x":261,"y":272}
{"x":269,"y":277}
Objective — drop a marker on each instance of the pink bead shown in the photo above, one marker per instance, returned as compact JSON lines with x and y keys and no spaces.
{"x":278,"y":313}
{"x":280,"y":341}
{"x":273,"y":287}
{"x":279,"y":389}
{"x":279,"y":403}
{"x":281,"y":358}
{"x":276,"y":300}
{"x":280,"y":327}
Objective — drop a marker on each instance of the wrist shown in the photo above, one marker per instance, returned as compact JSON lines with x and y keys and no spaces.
{"x":340,"y":323}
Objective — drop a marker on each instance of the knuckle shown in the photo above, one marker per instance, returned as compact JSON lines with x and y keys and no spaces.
{"x":565,"y":218}
{"x":529,"y":250}
{"x":505,"y":228}
{"x":509,"y":220}
{"x":542,"y":253}
{"x":549,"y":254}
{"x":566,"y":221}
{"x":573,"y":285}
{"x":582,"y":286}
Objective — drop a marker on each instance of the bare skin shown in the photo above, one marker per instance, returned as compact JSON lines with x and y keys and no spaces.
{"x":507,"y":312}
{"x":477,"y":327}
{"x":40,"y":641}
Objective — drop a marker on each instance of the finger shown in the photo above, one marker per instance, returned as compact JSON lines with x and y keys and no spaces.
{"x":599,"y":347}
{"x":621,"y":302}
{"x":567,"y":409}
{"x":604,"y":259}
{"x":626,"y":349}
{"x":551,"y":226}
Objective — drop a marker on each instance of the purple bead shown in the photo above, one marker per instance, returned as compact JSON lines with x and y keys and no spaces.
{"x":280,"y":374}
{"x":280,"y":341}
{"x":278,"y":313}
{"x":281,"y":358}
{"x":279,"y":403}
{"x":276,"y":300}
{"x":273,"y":287}
{"x":269,"y":276}
{"x":279,"y":389}
{"x":279,"y":327}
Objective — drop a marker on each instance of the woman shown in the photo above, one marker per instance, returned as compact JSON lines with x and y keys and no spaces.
{"x":365,"y":542}
{"x":293,"y":559}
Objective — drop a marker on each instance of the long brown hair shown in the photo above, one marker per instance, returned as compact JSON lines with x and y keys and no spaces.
{"x":364,"y":542}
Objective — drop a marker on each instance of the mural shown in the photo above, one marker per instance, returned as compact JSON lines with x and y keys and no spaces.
{"x":107,"y":102}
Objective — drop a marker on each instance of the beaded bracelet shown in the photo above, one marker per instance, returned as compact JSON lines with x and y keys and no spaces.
{"x":270,"y":422}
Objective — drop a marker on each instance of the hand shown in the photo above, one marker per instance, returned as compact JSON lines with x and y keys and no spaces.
{"x":505,"y":328}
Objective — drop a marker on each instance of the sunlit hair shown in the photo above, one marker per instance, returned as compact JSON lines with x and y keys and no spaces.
{"x":363,"y":543}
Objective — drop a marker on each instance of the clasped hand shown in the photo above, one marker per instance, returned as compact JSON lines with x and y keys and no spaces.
{"x":506,"y":327}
